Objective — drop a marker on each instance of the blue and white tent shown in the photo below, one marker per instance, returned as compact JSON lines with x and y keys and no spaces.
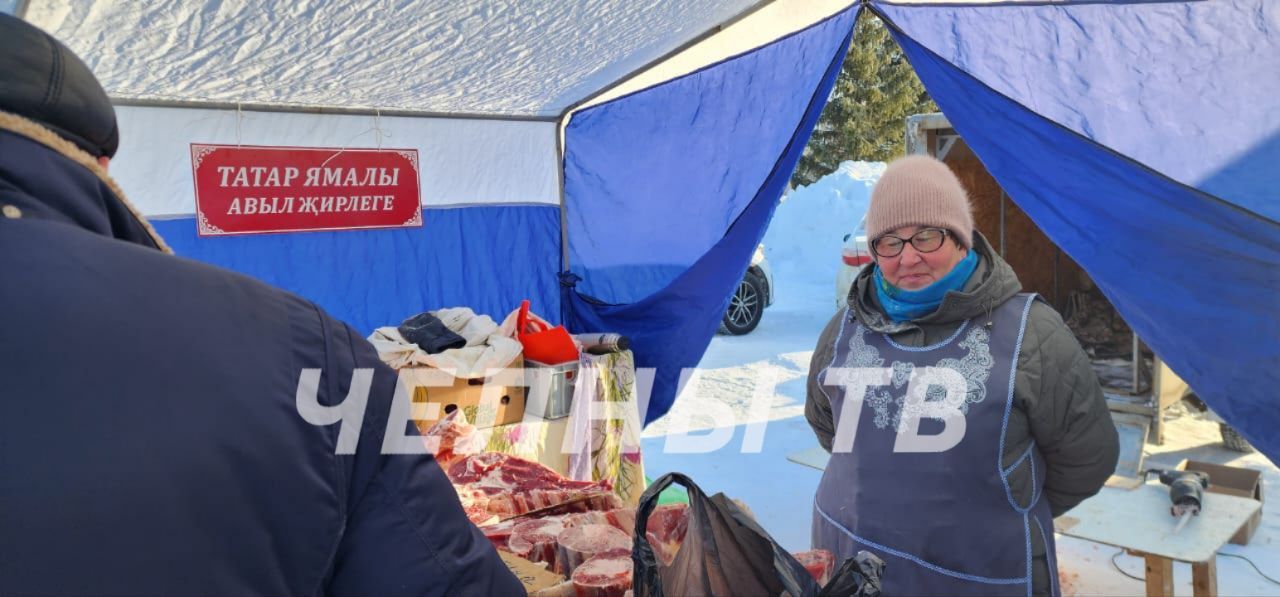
{"x":616,"y":162}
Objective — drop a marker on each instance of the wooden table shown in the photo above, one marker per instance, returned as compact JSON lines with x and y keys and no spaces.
{"x":1138,"y":521}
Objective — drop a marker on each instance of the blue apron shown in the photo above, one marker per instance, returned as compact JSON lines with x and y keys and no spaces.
{"x":915,"y":475}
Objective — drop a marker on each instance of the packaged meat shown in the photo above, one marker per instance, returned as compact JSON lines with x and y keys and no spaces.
{"x":607,"y":574}
{"x":669,"y":522}
{"x":577,"y":544}
{"x":819,"y":562}
{"x":452,"y":438}
{"x":666,"y":529}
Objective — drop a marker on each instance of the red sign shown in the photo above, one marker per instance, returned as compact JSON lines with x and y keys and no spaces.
{"x":253,"y":190}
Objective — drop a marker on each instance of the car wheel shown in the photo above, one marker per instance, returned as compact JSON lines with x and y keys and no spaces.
{"x":1233,"y":440}
{"x":745,"y":306}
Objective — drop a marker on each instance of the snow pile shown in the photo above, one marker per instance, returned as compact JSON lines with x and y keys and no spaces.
{"x":803,"y":242}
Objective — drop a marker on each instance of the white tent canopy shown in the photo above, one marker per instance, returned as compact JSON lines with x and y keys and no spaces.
{"x":490,"y":58}
{"x":480,"y":89}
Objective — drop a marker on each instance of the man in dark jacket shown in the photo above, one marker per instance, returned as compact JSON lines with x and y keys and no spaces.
{"x":1026,"y":396}
{"x":149,"y":437}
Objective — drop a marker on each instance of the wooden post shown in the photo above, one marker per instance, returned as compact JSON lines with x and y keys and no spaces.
{"x":1204,"y":578}
{"x":1159,"y":576}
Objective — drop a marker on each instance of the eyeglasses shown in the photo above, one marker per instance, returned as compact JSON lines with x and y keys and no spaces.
{"x":924,"y":241}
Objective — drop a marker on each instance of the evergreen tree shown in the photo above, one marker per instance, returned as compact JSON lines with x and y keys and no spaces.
{"x":866,"y":115}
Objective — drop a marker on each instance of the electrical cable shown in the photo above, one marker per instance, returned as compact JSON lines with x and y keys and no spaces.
{"x":1255,"y":567}
{"x":1121,"y":570}
{"x":1228,"y":555}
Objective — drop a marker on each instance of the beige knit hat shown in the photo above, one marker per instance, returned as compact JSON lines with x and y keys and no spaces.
{"x":919,"y":190}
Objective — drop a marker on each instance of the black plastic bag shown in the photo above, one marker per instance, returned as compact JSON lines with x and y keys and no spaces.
{"x":725,"y":552}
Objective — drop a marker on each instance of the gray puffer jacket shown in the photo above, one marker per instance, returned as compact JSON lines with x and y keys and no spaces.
{"x":1057,"y":399}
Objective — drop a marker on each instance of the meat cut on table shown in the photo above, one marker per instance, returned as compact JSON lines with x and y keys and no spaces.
{"x":577,"y":544}
{"x":607,"y":574}
{"x":509,"y":486}
{"x":535,"y":540}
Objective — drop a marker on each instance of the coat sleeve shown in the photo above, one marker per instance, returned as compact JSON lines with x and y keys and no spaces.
{"x":405,"y":532}
{"x":1067,"y":413}
{"x":817,"y":407}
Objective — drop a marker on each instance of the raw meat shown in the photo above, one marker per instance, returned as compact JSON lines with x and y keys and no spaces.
{"x":535,"y":540}
{"x":552,"y":501}
{"x":607,"y":574}
{"x":454,"y":439}
{"x":480,"y":516}
{"x":666,"y":529}
{"x":819,"y":562}
{"x":513,"y":486}
{"x":584,"y":510}
{"x":577,"y":544}
{"x":499,"y":533}
{"x":585,"y":518}
{"x":495,"y":472}
{"x":624,"y":519}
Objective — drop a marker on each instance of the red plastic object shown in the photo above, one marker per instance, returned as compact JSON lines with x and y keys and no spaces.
{"x":551,"y":346}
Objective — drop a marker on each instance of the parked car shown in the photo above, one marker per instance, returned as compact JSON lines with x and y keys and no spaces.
{"x":854,"y":255}
{"x":1230,"y":437}
{"x":754,"y":293}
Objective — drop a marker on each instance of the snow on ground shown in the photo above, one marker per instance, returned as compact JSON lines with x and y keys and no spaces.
{"x":802,"y":246}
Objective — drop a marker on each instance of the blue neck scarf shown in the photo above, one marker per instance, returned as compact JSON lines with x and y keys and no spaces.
{"x":906,"y":305}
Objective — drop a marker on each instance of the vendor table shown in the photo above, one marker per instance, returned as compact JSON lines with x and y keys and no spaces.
{"x":1138,"y":521}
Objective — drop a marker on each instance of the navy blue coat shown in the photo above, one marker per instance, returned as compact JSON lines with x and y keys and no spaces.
{"x":149,"y":440}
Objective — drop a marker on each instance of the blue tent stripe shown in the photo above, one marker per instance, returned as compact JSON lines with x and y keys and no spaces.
{"x":1135,"y":78}
{"x":671,"y":328}
{"x":1196,"y":278}
{"x":485,"y":258}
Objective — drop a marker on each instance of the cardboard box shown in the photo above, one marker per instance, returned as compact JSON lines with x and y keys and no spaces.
{"x":495,"y":400}
{"x":1233,"y":480}
{"x":534,"y":577}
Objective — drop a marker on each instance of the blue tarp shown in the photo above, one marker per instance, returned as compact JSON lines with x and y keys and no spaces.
{"x":662,"y":232}
{"x":1136,"y":164}
{"x":485,"y":258}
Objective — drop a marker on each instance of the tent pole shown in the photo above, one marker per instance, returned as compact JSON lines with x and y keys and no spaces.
{"x":564,"y":217}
